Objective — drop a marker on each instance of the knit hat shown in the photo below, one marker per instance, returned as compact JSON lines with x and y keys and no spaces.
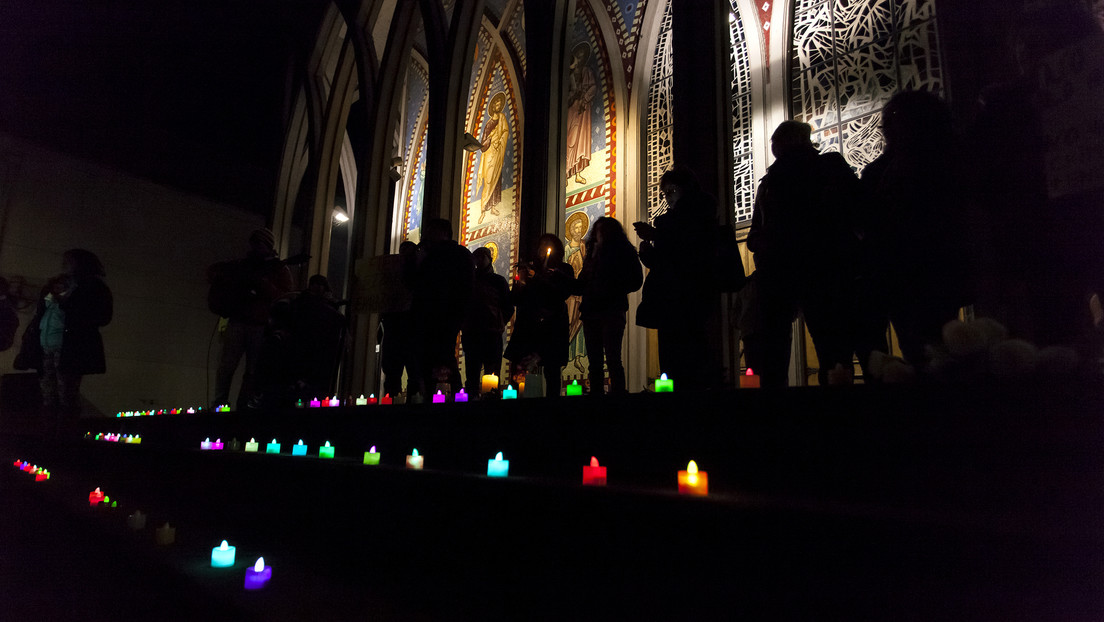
{"x":263,"y":236}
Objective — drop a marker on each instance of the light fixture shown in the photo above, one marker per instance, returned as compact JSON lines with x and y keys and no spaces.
{"x":471,"y":143}
{"x":339,"y":215}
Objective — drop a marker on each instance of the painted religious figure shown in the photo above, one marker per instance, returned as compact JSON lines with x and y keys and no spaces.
{"x":580,"y":93}
{"x":493,"y":146}
{"x":577,"y":226}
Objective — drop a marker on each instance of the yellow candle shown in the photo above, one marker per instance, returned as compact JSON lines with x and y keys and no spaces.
{"x":490,"y":383}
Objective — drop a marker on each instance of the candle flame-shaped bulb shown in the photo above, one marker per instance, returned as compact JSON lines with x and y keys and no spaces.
{"x":207,"y":440}
{"x":253,"y":440}
{"x":362,"y":395}
{"x":663,"y":376}
{"x":509,"y":387}
{"x":97,"y":490}
{"x":274,"y":441}
{"x":327,"y":443}
{"x":373,"y":395}
{"x":593,"y":461}
{"x":259,"y":566}
{"x":692,"y":467}
{"x":224,"y":546}
{"x":413,"y":453}
{"x":749,"y":372}
{"x":300,"y":442}
{"x":439,"y":392}
{"x":372,"y":450}
{"x":498,"y":457}
{"x":218,"y":440}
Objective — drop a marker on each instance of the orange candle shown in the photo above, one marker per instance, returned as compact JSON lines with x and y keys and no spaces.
{"x":692,"y":481}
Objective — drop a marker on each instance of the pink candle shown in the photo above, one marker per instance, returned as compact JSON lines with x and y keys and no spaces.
{"x":439,"y":398}
{"x":315,"y":403}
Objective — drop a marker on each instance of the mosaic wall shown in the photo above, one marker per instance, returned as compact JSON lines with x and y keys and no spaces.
{"x":850,"y":57}
{"x":743,"y":175}
{"x":591,"y":155}
{"x":514,"y":32}
{"x":414,"y":146}
{"x":627,"y":18}
{"x":492,"y":173}
{"x":660,"y":153}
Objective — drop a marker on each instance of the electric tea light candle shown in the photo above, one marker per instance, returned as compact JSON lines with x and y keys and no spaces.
{"x":206,"y":444}
{"x":594,"y":475}
{"x":386,"y":399}
{"x":664,"y":385}
{"x":371,"y":457}
{"x":574,"y":388}
{"x":273,"y":447}
{"x":95,"y":497}
{"x":299,"y":449}
{"x":460,"y":397}
{"x":498,"y":467}
{"x":326,"y":451}
{"x":509,"y":393}
{"x":165,"y":535}
{"x":222,"y":556}
{"x":361,"y":401}
{"x":439,"y":398}
{"x":257,"y":576}
{"x":692,"y":481}
{"x":314,"y":403}
{"x":749,"y":380}
{"x":414,"y":461}
{"x":252,"y":446}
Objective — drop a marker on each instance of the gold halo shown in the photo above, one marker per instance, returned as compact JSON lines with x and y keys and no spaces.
{"x":491,"y":246}
{"x":497,"y":96}
{"x":572,"y":219}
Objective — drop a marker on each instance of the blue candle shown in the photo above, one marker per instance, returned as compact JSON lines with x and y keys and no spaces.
{"x":498,"y":467}
{"x":257,"y":576}
{"x":273,"y":447}
{"x":299,"y":449}
{"x":509,"y":393}
{"x":222,"y":556}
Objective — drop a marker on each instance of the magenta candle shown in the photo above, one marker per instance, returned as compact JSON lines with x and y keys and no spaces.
{"x":439,"y":398}
{"x":315,"y":403}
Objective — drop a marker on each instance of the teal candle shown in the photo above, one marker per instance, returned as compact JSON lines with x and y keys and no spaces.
{"x":222,"y":556}
{"x":326,"y":451}
{"x":498,"y":467}
{"x":574,"y":388}
{"x":371,"y":457}
{"x":664,"y":385}
{"x":273,"y":447}
{"x":509,"y":393}
{"x":299,"y":449}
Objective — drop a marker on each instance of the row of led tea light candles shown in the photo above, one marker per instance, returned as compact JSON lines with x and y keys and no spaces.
{"x":690,"y":481}
{"x":222,"y":556}
{"x":490,"y":383}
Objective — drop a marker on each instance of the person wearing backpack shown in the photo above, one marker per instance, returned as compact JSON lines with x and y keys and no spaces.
{"x":243,"y":291}
{"x":611,"y":271}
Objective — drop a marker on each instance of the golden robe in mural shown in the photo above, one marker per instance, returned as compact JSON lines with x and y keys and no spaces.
{"x":581,"y":90}
{"x":493,"y":146}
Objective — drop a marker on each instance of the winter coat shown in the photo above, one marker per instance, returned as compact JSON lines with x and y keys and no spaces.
{"x":88,"y":306}
{"x":679,"y":284}
{"x":541,"y":325}
{"x":607,"y":278}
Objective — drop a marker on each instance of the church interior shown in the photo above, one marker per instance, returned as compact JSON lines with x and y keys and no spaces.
{"x":160,"y":137}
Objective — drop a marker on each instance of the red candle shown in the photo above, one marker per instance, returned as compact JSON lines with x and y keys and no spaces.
{"x":692,"y":481}
{"x":95,"y":497}
{"x":749,"y":380}
{"x":386,"y":399}
{"x":594,"y":475}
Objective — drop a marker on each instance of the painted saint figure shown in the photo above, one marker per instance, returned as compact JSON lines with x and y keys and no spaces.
{"x":495,"y":135}
{"x":581,"y":89}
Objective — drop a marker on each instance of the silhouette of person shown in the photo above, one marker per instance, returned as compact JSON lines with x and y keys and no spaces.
{"x":63,"y":340}
{"x":488,"y":312}
{"x":678,"y":293}
{"x":581,"y":89}
{"x":397,"y":349}
{"x":610,"y":272}
{"x":318,"y":331}
{"x":441,"y":285}
{"x":9,"y":320}
{"x":493,"y":146}
{"x":245,"y":290}
{"x":804,"y":249}
{"x":539,"y":293}
{"x":913,"y":264}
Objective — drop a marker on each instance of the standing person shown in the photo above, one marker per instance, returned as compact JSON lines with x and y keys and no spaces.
{"x":441,"y":285}
{"x":397,"y":351}
{"x":610,"y":272}
{"x":912,"y":219}
{"x":488,"y":312}
{"x":801,"y":234}
{"x":679,"y":294}
{"x":242,"y":291}
{"x":74,"y":307}
{"x":540,"y":292}
{"x":9,"y":321}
